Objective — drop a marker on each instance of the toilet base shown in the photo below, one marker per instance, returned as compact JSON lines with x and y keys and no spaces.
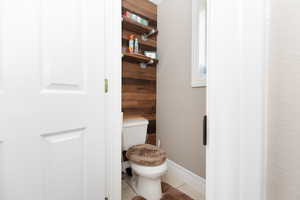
{"x":148,"y":188}
{"x":147,"y":180}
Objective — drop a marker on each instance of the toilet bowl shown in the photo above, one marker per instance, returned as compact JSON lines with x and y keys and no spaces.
{"x":147,"y":162}
{"x":148,"y":180}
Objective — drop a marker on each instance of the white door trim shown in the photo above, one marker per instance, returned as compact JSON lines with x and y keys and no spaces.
{"x":266,"y":89}
{"x":236,"y":99}
{"x":113,"y":98}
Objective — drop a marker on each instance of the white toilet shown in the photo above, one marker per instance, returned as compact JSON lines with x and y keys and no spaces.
{"x":148,"y":162}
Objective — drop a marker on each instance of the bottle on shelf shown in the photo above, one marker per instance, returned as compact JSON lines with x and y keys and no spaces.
{"x":131,"y":44}
{"x":136,"y":45}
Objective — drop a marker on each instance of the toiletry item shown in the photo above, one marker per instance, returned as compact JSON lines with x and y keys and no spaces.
{"x":136,"y":18}
{"x":151,"y":54}
{"x":131,"y":43}
{"x":136,"y":45}
{"x":145,"y":22}
{"x":126,"y":14}
{"x":139,"y":19}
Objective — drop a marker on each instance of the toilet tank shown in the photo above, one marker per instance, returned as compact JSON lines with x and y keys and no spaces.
{"x":134,"y":132}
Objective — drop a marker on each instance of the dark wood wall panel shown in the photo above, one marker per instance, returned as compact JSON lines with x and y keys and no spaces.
{"x":139,"y":98}
{"x":134,"y":71}
{"x":139,"y":84}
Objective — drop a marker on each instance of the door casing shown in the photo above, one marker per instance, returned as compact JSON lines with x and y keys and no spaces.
{"x":114,"y":118}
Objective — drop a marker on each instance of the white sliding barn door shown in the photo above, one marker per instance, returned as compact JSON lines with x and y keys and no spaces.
{"x":236,"y":70}
{"x":51,"y":100}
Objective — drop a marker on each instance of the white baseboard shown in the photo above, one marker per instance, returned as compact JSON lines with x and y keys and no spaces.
{"x":195,"y":181}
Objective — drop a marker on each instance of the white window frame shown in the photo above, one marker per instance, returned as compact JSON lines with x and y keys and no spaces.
{"x":199,"y":44}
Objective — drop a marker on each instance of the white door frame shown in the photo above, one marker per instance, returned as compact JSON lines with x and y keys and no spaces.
{"x":236,"y":76}
{"x":114,"y":116}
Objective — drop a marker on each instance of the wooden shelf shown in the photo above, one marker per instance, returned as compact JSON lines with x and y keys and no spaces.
{"x":131,"y":25}
{"x":149,"y":44}
{"x":143,"y":8}
{"x":138,"y":58}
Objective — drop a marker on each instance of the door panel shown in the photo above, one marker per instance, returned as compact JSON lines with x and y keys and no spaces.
{"x":65,"y":78}
{"x":61,"y":45}
{"x":64,"y":164}
{"x":52,"y":113}
{"x":236,"y":100}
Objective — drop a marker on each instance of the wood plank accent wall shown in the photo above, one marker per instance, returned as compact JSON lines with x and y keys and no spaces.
{"x":138,"y":84}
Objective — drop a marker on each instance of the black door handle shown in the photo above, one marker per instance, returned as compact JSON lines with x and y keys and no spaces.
{"x":205,"y":130}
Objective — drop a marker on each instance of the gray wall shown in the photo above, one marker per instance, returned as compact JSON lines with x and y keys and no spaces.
{"x":180,"y":108}
{"x":284,"y":102}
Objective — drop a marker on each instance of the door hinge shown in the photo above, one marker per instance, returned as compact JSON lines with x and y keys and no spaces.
{"x":106,"y":85}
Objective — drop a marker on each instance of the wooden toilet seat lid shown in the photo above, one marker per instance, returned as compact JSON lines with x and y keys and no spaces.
{"x":146,"y":155}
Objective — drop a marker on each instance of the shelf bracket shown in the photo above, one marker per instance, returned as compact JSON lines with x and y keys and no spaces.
{"x":144,"y":65}
{"x":146,"y":36}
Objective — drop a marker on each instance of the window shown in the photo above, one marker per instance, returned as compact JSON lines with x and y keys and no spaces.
{"x":199,"y":43}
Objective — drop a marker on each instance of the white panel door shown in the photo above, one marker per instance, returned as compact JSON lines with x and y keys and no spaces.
{"x":236,"y":98}
{"x":51,"y":100}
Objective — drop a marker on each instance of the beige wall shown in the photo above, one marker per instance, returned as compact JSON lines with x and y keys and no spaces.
{"x":284,"y":102}
{"x":180,"y":108}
